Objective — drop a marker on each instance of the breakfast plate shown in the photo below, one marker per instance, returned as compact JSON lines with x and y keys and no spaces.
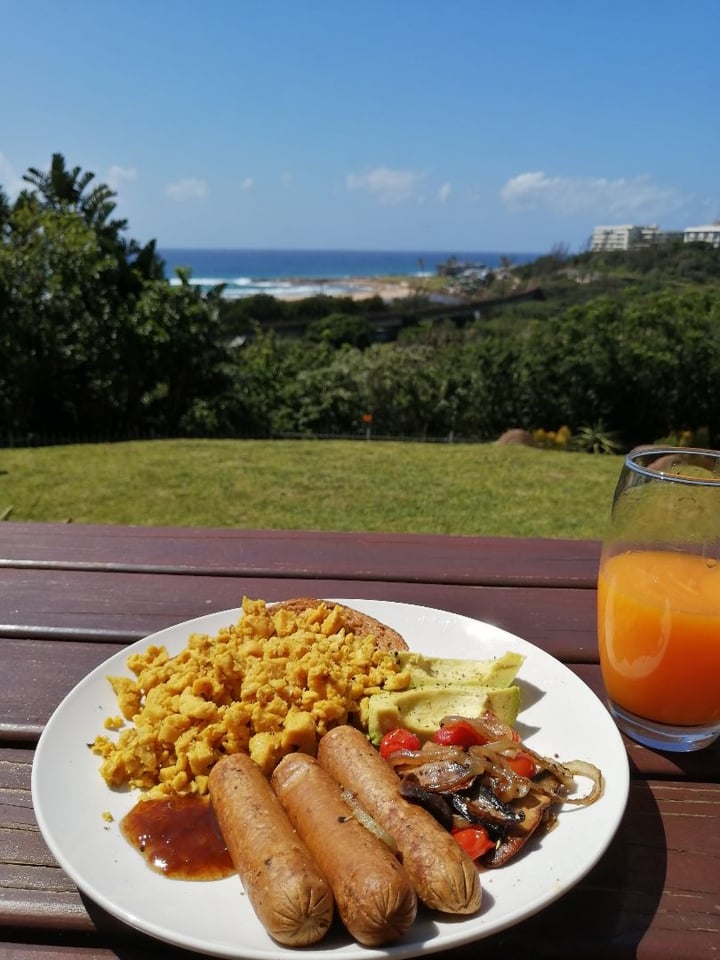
{"x":79,"y":815}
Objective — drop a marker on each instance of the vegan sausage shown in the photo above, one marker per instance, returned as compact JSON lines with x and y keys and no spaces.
{"x":288,"y":892}
{"x":373,"y":894}
{"x":442,"y":873}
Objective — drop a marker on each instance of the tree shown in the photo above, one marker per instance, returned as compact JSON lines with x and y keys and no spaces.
{"x":64,"y":190}
{"x":93,"y":339}
{"x":67,"y":191}
{"x":174,"y":359}
{"x":56,"y":328}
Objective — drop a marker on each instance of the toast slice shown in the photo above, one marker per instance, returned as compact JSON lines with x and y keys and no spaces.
{"x":359,"y":623}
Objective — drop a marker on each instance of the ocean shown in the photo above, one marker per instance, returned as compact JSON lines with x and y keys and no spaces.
{"x":309,"y":272}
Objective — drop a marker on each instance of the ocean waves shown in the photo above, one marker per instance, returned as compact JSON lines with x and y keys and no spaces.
{"x":306,"y":273}
{"x":237,"y":288}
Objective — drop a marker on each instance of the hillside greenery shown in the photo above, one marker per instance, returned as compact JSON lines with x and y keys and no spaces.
{"x":96,"y":343}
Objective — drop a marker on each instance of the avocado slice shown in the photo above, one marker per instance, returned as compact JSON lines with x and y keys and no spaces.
{"x":421,"y":710}
{"x":441,"y":671}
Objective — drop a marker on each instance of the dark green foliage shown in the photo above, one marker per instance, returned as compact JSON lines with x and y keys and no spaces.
{"x":644,"y":367}
{"x":93,"y":340}
{"x":321,"y":305}
{"x":316,"y":316}
{"x":239,"y":317}
{"x":339,"y":328}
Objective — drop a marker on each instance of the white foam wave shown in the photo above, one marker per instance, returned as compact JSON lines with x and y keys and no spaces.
{"x":240,"y":287}
{"x":197,"y":281}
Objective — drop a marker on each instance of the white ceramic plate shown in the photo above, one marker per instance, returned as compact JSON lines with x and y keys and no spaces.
{"x":561,"y":717}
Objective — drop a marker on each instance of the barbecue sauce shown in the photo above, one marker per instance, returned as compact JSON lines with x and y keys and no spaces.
{"x":178,"y":837}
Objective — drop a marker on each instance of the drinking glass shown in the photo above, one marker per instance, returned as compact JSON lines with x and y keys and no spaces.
{"x":659,"y":598}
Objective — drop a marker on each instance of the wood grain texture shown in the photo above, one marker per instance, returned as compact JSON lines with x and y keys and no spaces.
{"x":298,"y":554}
{"x":122,"y":607}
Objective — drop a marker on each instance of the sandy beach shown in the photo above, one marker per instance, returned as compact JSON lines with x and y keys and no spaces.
{"x":357,"y":288}
{"x":366,"y":287}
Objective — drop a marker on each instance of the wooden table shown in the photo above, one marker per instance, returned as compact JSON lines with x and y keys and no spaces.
{"x":72,"y":595}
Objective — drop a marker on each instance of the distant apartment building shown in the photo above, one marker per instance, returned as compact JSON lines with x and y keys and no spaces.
{"x":710,"y":233}
{"x":622,"y":237}
{"x":628,"y":236}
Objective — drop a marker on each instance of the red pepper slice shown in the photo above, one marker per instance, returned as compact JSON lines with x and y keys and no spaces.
{"x":398,"y":739}
{"x":459,"y":733}
{"x":522,"y":764}
{"x":475,"y":841}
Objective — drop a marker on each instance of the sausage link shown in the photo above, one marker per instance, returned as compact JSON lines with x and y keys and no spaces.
{"x":373,"y":894}
{"x":289,"y":894}
{"x":444,"y":876}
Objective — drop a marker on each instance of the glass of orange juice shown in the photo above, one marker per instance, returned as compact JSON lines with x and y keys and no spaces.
{"x":659,"y":598}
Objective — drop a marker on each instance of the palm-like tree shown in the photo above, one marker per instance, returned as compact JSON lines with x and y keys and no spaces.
{"x":63,"y":189}
{"x":67,"y":190}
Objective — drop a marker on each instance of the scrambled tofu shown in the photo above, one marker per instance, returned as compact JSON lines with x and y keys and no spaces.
{"x":271,"y":684}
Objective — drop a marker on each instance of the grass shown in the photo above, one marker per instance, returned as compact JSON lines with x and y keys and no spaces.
{"x":315,"y":484}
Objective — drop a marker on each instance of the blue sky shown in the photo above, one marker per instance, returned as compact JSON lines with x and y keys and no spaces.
{"x":382,"y":124}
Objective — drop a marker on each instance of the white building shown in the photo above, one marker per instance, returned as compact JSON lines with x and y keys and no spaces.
{"x":624,"y":236}
{"x":710,"y":233}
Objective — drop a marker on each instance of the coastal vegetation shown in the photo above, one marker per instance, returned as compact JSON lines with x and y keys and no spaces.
{"x":590,"y":352}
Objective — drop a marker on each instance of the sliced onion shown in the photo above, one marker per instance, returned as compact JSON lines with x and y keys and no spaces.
{"x":403,"y":761}
{"x":581,"y":768}
{"x":560,"y":771}
{"x":368,"y":821}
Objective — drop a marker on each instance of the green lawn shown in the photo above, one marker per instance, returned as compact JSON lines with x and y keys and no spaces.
{"x":313,"y":484}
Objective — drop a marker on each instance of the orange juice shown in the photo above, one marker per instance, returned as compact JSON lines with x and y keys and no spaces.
{"x":659,"y":635}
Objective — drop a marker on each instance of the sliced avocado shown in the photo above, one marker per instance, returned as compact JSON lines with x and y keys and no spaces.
{"x":422,"y":710}
{"x":499,"y":672}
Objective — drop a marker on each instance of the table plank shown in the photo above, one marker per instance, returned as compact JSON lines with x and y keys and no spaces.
{"x":302,"y":554}
{"x":37,"y":675}
{"x":120,"y":607}
{"x":656,"y":885}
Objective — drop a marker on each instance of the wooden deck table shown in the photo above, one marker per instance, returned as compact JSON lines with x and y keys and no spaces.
{"x":71,"y":595}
